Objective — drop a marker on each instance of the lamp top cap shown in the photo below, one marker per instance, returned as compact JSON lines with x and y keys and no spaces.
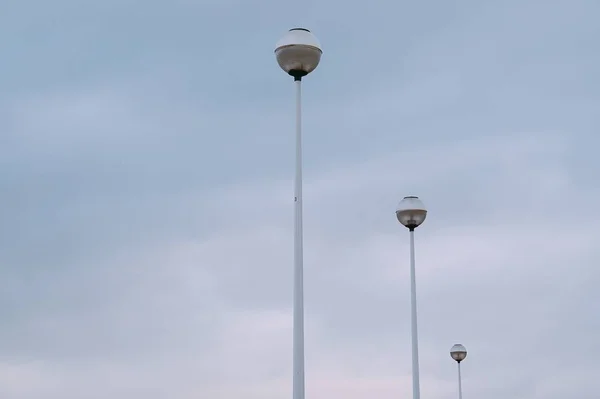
{"x":411,"y":203}
{"x":299,"y":37}
{"x":458,"y":348}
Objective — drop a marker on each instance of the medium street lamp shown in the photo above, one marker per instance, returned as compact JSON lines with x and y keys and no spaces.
{"x":298,"y":53}
{"x":459,"y":353}
{"x":411,"y":213}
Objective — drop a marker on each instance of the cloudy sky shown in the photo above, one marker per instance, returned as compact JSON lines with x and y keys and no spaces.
{"x":146,"y":198}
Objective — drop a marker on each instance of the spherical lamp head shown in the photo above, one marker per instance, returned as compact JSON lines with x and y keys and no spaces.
{"x":298,"y":52}
{"x":411,"y":212}
{"x":458,"y":352}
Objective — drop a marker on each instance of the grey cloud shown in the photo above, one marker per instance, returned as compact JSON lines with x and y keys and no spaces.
{"x":145,"y":240}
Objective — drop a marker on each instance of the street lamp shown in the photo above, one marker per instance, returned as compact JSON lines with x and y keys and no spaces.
{"x":411,"y":213}
{"x":459,"y":353}
{"x":298,"y":53}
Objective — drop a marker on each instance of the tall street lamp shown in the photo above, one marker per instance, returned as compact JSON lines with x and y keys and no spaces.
{"x":298,"y":53}
{"x":411,"y":213}
{"x":459,"y":353}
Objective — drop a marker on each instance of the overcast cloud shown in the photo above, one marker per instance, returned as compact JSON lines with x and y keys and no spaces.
{"x":146,"y":209}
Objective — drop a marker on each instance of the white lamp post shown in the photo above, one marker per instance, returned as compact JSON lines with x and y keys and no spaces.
{"x":411,"y":213}
{"x":459,"y":353}
{"x":298,"y":53}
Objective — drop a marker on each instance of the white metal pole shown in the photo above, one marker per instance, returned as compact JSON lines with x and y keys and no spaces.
{"x":298,"y":377}
{"x":459,"y":383}
{"x":413,"y":313}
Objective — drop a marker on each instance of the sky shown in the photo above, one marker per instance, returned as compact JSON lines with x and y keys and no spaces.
{"x":146,"y":212}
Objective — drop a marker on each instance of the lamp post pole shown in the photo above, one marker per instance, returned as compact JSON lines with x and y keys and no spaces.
{"x":458,"y":352}
{"x":411,"y":213}
{"x":298,"y":53}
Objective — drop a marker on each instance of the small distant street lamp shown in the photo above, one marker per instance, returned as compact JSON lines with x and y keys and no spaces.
{"x":459,"y":353}
{"x":298,"y":53}
{"x":411,"y":213}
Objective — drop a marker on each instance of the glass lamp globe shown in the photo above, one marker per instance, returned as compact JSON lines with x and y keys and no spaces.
{"x":411,"y":212}
{"x":298,"y":52}
{"x":458,"y":352}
